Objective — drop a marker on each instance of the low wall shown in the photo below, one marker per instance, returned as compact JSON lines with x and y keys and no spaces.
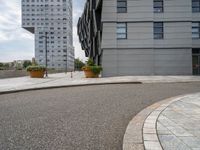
{"x":21,"y":73}
{"x":12,"y":73}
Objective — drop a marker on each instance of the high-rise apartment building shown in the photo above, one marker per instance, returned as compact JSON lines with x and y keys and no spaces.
{"x":51,"y":22}
{"x":142,"y":37}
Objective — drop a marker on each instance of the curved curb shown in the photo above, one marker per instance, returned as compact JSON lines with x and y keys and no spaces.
{"x":141,"y":131}
{"x":63,"y":86}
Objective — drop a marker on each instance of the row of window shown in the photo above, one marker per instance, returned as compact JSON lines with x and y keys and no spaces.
{"x":47,"y":24}
{"x":43,"y":0}
{"x":42,"y":19}
{"x":158,"y":6}
{"x":59,"y":51}
{"x":52,"y":46}
{"x":158,"y":28}
{"x":51,"y":10}
{"x":46,"y":5}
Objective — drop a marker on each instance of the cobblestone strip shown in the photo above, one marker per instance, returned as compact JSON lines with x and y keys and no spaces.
{"x":141,"y":131}
{"x":150,"y":136}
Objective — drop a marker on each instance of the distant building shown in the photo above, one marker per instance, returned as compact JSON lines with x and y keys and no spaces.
{"x":50,"y":20}
{"x":142,"y":37}
{"x":17,"y":64}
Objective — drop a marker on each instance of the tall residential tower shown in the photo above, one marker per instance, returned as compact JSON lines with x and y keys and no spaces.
{"x":51,"y":22}
{"x":142,"y":37}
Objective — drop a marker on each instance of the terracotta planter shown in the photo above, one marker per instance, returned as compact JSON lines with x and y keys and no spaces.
{"x":37,"y":74}
{"x":90,"y":74}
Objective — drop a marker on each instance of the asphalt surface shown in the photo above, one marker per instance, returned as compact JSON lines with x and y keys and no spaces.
{"x":78,"y":118}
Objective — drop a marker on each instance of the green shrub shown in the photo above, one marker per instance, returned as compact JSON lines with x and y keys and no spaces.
{"x":27,"y":63}
{"x":35,"y":68}
{"x":90,"y":62}
{"x":91,"y":66}
{"x":2,"y":68}
{"x":96,"y":69}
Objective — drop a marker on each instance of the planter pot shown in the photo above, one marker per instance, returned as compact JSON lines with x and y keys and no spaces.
{"x":37,"y":74}
{"x":90,"y":74}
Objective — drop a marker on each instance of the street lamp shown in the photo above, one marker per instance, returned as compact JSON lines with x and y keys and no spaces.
{"x":45,"y":36}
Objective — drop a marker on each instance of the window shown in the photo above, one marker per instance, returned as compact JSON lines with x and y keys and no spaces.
{"x":158,"y":6}
{"x":121,"y":6}
{"x":121,"y":30}
{"x":195,"y":5}
{"x":196,"y":30}
{"x":158,"y":30}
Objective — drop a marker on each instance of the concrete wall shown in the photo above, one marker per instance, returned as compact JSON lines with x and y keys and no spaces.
{"x":140,"y":35}
{"x":175,"y":10}
{"x":176,"y":34}
{"x":12,"y":73}
{"x":147,"y":62}
{"x":140,"y":53}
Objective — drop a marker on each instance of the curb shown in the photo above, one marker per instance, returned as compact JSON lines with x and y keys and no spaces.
{"x":64,"y":86}
{"x":141,"y":131}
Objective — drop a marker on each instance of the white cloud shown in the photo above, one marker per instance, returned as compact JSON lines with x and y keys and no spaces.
{"x":10,"y":22}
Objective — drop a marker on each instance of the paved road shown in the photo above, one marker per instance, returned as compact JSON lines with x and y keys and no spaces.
{"x":78,"y":118}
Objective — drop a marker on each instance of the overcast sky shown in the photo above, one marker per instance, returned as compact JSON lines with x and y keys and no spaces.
{"x":17,"y":43}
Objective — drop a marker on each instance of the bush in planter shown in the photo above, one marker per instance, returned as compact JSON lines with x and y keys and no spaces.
{"x":91,"y":70}
{"x":36,"y":71}
{"x":35,"y":68}
{"x":94,"y":69}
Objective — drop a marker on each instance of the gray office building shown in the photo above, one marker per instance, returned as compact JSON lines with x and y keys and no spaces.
{"x":142,"y":37}
{"x":51,"y":22}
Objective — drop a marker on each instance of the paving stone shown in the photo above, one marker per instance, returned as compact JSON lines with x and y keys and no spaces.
{"x":133,"y":147}
{"x":171,"y":142}
{"x":149,"y":125}
{"x":150,"y":137}
{"x":192,"y":142}
{"x":152,"y":145}
{"x":178,"y":125}
{"x":134,"y":138}
{"x":147,"y":130}
{"x":161,"y":129}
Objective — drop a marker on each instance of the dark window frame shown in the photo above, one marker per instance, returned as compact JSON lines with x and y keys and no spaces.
{"x":158,"y":9}
{"x":195,"y":8}
{"x":121,"y":9}
{"x":158,"y":34}
{"x":198,"y":32}
{"x":118,"y":33}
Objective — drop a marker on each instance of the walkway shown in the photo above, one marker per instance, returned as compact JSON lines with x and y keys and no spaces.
{"x":172,"y":124}
{"x":64,"y":80}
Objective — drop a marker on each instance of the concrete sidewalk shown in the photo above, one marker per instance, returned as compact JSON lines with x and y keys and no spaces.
{"x":62,"y":79}
{"x":172,"y":124}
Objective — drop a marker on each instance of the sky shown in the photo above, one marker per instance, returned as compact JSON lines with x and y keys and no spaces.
{"x":18,"y":44}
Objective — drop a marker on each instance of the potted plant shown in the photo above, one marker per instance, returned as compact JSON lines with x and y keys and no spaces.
{"x":91,"y":70}
{"x":36,"y":71}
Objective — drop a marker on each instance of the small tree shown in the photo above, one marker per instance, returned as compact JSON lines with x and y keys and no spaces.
{"x":6,"y":66}
{"x":1,"y":66}
{"x":78,"y":64}
{"x":27,"y":63}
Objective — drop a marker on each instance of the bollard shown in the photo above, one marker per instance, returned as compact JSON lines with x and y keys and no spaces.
{"x":71,"y":74}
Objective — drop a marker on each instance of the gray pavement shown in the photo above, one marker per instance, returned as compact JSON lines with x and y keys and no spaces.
{"x":62,"y":79}
{"x":85,"y":118}
{"x":178,"y":126}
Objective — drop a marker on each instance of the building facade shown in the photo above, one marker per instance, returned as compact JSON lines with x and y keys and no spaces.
{"x":51,"y":22}
{"x":142,"y":37}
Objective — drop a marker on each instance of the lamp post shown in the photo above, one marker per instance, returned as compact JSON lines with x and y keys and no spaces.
{"x":46,"y":53}
{"x":46,"y":63}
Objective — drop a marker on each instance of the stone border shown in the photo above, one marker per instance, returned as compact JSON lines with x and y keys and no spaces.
{"x":63,"y":86}
{"x":141,"y":131}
